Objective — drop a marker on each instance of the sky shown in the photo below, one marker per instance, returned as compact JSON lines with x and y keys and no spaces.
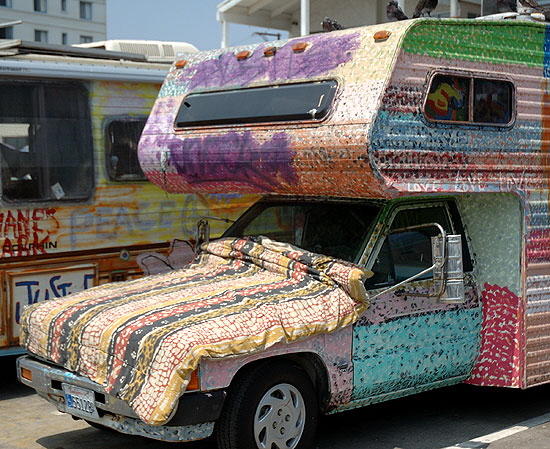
{"x":192,"y":21}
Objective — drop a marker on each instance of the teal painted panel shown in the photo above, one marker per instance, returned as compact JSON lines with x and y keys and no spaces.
{"x":414,"y":351}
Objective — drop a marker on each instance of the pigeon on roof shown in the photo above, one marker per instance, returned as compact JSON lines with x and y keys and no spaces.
{"x":532,"y":4}
{"x":507,"y":6}
{"x":331,"y":25}
{"x":424,"y":7}
{"x":394,"y":12}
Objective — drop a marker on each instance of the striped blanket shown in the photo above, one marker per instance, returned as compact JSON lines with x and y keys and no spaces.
{"x":142,"y":339}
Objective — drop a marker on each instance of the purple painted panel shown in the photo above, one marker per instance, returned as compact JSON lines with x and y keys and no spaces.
{"x":325,"y":54}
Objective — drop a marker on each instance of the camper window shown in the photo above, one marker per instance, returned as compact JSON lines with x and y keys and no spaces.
{"x":45,"y":142}
{"x":280,"y":103}
{"x":122,"y":137}
{"x":470,"y":100}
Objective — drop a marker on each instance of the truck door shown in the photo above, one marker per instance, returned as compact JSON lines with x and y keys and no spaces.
{"x":408,"y":340}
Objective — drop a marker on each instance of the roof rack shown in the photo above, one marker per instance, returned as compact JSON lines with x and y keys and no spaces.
{"x":12,"y":47}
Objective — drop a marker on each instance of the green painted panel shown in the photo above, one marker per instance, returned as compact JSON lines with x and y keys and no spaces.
{"x":470,"y":40}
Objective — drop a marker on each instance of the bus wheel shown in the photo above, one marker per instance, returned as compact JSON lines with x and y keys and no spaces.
{"x":273,"y":406}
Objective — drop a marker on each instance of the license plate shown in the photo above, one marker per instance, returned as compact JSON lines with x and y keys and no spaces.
{"x":79,"y":401}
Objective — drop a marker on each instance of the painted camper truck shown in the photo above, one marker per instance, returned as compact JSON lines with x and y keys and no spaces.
{"x":417,"y":151}
{"x":75,"y":208}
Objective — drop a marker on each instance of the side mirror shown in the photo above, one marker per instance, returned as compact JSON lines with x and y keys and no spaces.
{"x":448,"y":273}
{"x":446,"y":268}
{"x":202,"y":234}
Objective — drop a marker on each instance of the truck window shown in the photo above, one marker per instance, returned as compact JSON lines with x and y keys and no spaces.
{"x":469,"y":100}
{"x":405,"y":254}
{"x":45,"y":142}
{"x":331,"y":228}
{"x":279,"y":103}
{"x":122,"y":137}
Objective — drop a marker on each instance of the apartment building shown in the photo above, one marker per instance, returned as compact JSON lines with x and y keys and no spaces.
{"x":64,"y":22}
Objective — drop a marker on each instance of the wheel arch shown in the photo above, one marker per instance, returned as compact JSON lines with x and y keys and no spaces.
{"x":308,"y":362}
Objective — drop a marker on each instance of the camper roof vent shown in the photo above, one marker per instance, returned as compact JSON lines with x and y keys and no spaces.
{"x":155,"y":51}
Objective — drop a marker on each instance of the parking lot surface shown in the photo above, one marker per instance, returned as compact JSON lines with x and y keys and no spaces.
{"x":452,"y":418}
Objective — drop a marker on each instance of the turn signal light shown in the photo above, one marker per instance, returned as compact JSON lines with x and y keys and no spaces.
{"x":26,"y":374}
{"x":270,"y":51}
{"x":243,"y":55}
{"x":299,"y":47}
{"x":181,"y":64}
{"x":380,"y":36}
{"x":194,"y":383}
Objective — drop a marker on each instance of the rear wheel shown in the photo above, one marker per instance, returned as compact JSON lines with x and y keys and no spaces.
{"x":273,"y":407}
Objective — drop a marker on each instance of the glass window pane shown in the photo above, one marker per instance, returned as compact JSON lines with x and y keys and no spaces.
{"x":448,"y":99}
{"x":335,"y":229}
{"x":121,"y":150}
{"x":492,"y":101}
{"x":40,"y":5}
{"x":406,"y":253}
{"x":86,"y":10}
{"x":6,"y":33}
{"x":45,"y":132}
{"x":288,"y":102}
{"x":411,"y":251}
{"x":40,"y":36}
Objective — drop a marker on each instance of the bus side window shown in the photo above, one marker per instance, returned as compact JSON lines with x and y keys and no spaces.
{"x":46,"y":146}
{"x":121,"y":156}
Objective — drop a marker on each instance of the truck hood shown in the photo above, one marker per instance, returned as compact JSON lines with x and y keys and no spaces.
{"x":142,"y":339}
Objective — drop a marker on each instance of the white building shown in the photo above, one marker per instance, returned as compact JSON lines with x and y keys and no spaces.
{"x":64,"y":22}
{"x":302,"y":17}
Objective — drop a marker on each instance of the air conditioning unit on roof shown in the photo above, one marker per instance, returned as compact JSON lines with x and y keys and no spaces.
{"x":155,"y":51}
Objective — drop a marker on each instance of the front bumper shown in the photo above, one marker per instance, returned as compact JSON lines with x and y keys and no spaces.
{"x":194,"y":419}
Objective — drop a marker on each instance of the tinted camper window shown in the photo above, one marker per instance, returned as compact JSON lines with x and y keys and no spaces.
{"x":45,"y":142}
{"x":282,"y":103}
{"x":121,"y":149}
{"x":469,"y":100}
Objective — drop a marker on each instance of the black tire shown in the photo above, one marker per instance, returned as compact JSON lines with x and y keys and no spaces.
{"x":279,"y":393}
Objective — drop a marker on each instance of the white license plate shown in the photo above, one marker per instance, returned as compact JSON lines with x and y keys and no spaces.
{"x":79,"y":401}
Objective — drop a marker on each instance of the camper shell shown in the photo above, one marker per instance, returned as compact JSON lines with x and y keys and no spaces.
{"x":382,"y":137}
{"x":438,"y":124}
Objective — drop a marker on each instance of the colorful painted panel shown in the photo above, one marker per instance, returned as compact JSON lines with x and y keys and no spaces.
{"x":415,"y":351}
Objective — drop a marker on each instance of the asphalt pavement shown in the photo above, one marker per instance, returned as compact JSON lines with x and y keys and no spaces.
{"x":460,"y":417}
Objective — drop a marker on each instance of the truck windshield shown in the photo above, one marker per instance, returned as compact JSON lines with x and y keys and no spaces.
{"x":337,"y":229}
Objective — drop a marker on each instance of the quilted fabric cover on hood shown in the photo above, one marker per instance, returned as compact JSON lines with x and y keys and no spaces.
{"x":142,"y":339}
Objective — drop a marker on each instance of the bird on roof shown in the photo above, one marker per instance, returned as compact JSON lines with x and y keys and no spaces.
{"x":394,"y":12}
{"x":532,"y":4}
{"x":507,"y":6}
{"x":424,"y":7}
{"x":331,"y":25}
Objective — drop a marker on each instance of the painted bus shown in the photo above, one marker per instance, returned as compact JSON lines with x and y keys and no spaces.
{"x":76,"y":209}
{"x":402,"y":243}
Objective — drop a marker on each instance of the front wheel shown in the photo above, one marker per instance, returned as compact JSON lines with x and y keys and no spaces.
{"x":273,"y":407}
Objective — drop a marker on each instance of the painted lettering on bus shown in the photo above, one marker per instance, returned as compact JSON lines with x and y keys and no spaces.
{"x":106,"y":222}
{"x":55,"y":288}
{"x":28,"y":232}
